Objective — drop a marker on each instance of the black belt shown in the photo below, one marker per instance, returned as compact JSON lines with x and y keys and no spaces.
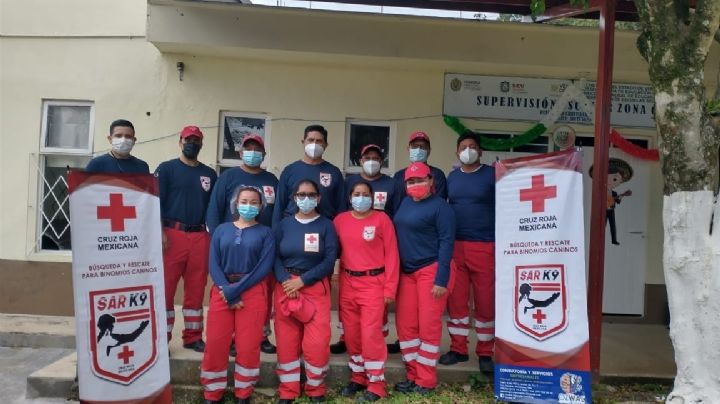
{"x":370,"y":272}
{"x":295,"y":271}
{"x":188,"y":228}
{"x":234,"y":277}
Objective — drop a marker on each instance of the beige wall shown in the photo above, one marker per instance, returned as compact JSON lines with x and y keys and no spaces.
{"x":267,"y":61}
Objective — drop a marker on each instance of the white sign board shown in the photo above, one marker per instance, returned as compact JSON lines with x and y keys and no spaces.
{"x":530,"y":99}
{"x":119,"y":288}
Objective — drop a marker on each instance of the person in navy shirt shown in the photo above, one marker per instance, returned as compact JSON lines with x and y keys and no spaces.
{"x":252,"y":153}
{"x":419,"y":151}
{"x":311,"y":166}
{"x":307,"y":247}
{"x":185,"y":186}
{"x":387,"y":195}
{"x":471,"y":194}
{"x":118,"y":159}
{"x":241,"y":257}
{"x":425,"y":227}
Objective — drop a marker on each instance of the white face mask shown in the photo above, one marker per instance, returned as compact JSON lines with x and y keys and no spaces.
{"x":371,"y":167}
{"x":314,"y":150}
{"x":469,"y":156}
{"x":122,"y":145}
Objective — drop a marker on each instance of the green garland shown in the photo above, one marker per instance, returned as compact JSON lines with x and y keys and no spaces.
{"x":497,"y":144}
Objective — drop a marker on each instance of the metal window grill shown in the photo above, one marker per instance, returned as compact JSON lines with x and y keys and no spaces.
{"x":53,"y":208}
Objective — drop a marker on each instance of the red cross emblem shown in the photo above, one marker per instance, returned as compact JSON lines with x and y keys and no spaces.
{"x":116,"y":212}
{"x":538,"y":193}
{"x":312,"y":239}
{"x":539,"y":316}
{"x":380,"y":196}
{"x":126,"y":354}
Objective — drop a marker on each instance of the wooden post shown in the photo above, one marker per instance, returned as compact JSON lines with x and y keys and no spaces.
{"x":603,"y":99}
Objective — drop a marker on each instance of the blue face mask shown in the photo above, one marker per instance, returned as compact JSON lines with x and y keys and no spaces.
{"x":306,"y":205}
{"x":252,"y":158}
{"x":248,"y":212}
{"x":418,"y":154}
{"x":361,"y":203}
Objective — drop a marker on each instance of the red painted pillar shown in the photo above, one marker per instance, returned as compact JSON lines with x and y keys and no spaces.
{"x":603,"y":98}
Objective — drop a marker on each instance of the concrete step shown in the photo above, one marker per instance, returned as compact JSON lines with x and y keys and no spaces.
{"x":55,"y":380}
{"x":26,"y":331}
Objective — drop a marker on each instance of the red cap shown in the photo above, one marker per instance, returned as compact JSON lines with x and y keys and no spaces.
{"x":191,"y":131}
{"x":301,"y":308}
{"x":417,"y":170}
{"x":254,"y":137}
{"x":371,"y":147}
{"x":418,"y":135}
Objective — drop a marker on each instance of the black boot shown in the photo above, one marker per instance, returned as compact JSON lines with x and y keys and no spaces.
{"x":267,"y":347}
{"x":351,"y":389}
{"x":338,"y":347}
{"x":197,"y":346}
{"x":452,"y":357}
{"x":393,"y":347}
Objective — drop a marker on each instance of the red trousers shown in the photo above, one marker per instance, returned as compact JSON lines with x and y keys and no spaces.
{"x":475,"y":262}
{"x":362,"y":307}
{"x":311,"y":340}
{"x":247,"y":325}
{"x":341,"y":327}
{"x":186,"y":257}
{"x":419,"y":323}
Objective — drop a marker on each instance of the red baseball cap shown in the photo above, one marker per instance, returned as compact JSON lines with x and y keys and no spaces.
{"x":417,"y":170}
{"x":371,"y":147}
{"x":301,"y":308}
{"x":254,"y":137}
{"x":191,"y":131}
{"x":418,"y":135}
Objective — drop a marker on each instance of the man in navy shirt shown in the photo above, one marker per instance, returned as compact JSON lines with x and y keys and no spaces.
{"x":185,"y":186}
{"x":471,"y":195}
{"x":419,"y":151}
{"x":312,"y":166}
{"x":220,"y":210}
{"x":118,"y":160}
{"x":387,"y":195}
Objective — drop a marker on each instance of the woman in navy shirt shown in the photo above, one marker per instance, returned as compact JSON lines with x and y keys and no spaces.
{"x":241,"y":257}
{"x":307,"y":248}
{"x":425,"y":226}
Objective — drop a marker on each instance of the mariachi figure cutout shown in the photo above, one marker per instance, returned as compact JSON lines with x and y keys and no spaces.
{"x":619,"y":172}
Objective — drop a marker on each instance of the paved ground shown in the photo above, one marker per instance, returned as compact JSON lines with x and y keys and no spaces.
{"x":15,"y":366}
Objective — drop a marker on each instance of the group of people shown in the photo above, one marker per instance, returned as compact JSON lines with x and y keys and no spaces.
{"x":417,"y":240}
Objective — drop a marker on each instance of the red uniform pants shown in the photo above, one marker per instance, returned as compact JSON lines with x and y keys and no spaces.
{"x":311,"y":340}
{"x":341,"y":327}
{"x":362,"y":307}
{"x":475,"y":262}
{"x":186,"y":257}
{"x":247,"y":325}
{"x":419,"y":323}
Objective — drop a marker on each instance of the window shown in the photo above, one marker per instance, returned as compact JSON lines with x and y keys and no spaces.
{"x":233,"y":128}
{"x":65,"y":142}
{"x":361,"y":133}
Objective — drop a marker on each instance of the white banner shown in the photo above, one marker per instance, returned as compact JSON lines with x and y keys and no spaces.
{"x":119,"y":288}
{"x":541,"y":310}
{"x":531,"y":99}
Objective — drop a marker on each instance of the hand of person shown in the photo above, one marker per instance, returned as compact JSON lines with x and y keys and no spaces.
{"x":438,"y":291}
{"x":165,"y":242}
{"x":222,"y":294}
{"x":238,"y":305}
{"x":388,"y":300}
{"x":293,"y":285}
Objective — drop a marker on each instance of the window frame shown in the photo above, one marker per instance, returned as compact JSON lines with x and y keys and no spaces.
{"x":392,"y":130}
{"x":46,"y":104}
{"x":224,"y":162}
